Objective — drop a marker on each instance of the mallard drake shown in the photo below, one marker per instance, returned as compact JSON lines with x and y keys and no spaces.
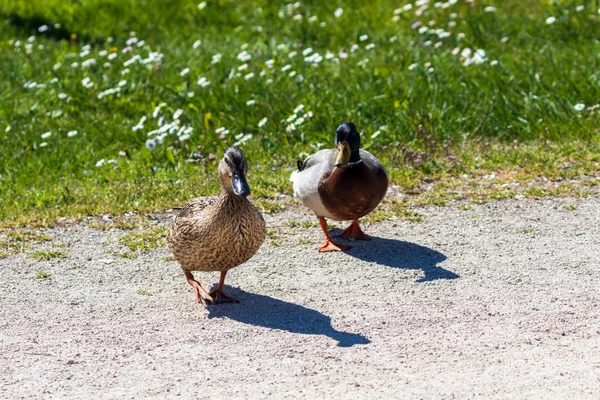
{"x":220,"y":233}
{"x":344,"y":183}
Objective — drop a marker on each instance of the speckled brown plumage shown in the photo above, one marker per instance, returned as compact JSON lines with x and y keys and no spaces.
{"x":217,"y":234}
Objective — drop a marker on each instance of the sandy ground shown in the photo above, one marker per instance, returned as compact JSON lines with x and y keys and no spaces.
{"x":500,"y":301}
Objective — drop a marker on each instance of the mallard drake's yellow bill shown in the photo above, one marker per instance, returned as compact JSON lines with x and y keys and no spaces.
{"x":342,"y":157}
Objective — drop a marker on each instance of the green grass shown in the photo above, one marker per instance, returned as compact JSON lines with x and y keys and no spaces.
{"x":20,"y":240}
{"x":421,"y":110}
{"x":272,"y":233}
{"x":43,"y":275}
{"x":143,"y":292}
{"x":145,"y":239}
{"x":45,"y":255}
{"x":129,"y":255}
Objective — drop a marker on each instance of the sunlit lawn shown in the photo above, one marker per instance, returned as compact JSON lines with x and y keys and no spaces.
{"x":123,"y":105}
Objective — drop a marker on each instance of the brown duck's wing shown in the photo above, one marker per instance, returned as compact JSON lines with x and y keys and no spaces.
{"x":194,"y":207}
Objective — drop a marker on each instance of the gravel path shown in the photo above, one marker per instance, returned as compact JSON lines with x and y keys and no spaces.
{"x":502,"y":300}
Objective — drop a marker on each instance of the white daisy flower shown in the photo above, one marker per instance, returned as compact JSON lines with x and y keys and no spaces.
{"x":216,"y":58}
{"x":203,"y":82}
{"x":150,"y":145}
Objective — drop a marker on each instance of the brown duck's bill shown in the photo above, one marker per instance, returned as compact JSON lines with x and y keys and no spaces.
{"x":342,"y":157}
{"x":239,"y":184}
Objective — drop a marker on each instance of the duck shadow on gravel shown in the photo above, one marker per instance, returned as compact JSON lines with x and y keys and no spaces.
{"x":403,"y":255}
{"x":269,"y":312}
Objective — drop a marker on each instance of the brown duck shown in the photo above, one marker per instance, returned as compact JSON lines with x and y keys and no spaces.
{"x":220,"y":233}
{"x":344,"y":183}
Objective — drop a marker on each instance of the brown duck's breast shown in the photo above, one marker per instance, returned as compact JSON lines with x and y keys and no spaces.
{"x":352,"y":192}
{"x":219,"y":238}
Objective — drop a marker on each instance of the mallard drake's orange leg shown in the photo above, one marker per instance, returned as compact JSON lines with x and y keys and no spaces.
{"x":354,"y":232}
{"x":330,"y":245}
{"x":199,"y":291}
{"x":218,"y":295}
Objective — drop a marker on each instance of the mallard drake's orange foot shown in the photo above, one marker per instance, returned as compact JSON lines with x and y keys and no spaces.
{"x":353,"y":232}
{"x":220,"y":297}
{"x":332,"y":246}
{"x":329,"y":245}
{"x":199,"y":291}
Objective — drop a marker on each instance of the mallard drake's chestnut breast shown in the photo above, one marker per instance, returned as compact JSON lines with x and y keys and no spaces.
{"x":351,"y":193}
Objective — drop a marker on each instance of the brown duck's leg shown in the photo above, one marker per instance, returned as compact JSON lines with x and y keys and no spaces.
{"x":218,"y":295}
{"x":199,"y":291}
{"x":354,"y":232}
{"x":329,"y":245}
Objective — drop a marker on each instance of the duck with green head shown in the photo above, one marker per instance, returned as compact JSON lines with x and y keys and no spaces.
{"x":345,"y":183}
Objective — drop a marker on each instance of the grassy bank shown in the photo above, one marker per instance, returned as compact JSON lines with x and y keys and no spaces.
{"x":112,"y":106}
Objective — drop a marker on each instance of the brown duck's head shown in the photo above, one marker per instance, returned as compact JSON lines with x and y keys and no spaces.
{"x":232,"y":171}
{"x":347,"y":143}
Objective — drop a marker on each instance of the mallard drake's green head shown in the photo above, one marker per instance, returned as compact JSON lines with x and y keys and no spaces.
{"x":347,"y":143}
{"x":232,"y":171}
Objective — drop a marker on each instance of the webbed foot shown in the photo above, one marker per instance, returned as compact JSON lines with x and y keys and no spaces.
{"x":199,"y":291}
{"x":220,"y":297}
{"x":353,"y":232}
{"x":332,"y":246}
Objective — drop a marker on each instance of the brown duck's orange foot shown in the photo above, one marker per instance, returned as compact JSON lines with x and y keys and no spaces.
{"x":332,"y":246}
{"x":353,"y":232}
{"x":199,"y":291}
{"x":220,"y":297}
{"x":202,"y":295}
